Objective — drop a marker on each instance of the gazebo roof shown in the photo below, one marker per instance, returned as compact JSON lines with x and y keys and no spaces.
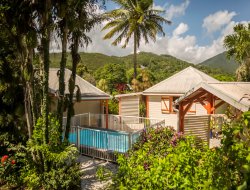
{"x":180,"y":83}
{"x":88,"y":91}
{"x":237,"y":94}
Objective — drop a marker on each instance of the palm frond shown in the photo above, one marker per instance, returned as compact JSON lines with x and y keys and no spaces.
{"x":118,"y":28}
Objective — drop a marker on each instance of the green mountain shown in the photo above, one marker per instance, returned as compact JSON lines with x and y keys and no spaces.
{"x":221,"y":62}
{"x":161,"y":66}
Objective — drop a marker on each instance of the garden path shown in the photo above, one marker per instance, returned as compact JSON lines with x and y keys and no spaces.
{"x":89,"y":166}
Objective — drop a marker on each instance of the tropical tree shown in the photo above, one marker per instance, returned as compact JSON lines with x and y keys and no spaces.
{"x":82,"y":19}
{"x":238,"y":46}
{"x":135,"y":18}
{"x":63,"y":14}
{"x":113,"y":75}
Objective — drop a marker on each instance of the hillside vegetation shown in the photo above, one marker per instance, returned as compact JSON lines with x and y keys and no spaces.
{"x":221,"y":62}
{"x":161,"y":66}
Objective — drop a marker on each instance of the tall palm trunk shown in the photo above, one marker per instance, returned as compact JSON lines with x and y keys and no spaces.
{"x":75,"y":60}
{"x":135,"y":56}
{"x":45,"y":47}
{"x":60,"y":105}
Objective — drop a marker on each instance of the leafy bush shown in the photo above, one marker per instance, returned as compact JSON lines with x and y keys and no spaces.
{"x":52,"y":165}
{"x":163,"y":159}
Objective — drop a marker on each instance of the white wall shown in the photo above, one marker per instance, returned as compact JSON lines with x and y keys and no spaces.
{"x":93,"y":106}
{"x":129,"y":106}
{"x":200,"y":110}
{"x":154,"y":111}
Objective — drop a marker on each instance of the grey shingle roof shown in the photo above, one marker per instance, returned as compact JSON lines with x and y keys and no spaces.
{"x":180,"y":83}
{"x":88,"y":91}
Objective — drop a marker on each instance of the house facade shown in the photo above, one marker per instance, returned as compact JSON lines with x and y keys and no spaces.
{"x":159,"y":99}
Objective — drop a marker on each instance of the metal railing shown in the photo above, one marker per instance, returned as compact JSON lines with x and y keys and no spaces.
{"x":102,"y":136}
{"x":114,"y":122}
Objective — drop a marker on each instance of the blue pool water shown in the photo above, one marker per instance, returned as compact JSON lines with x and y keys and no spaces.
{"x":103,"y":139}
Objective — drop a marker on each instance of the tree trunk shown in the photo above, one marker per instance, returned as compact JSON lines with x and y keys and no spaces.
{"x":60,"y":105}
{"x":24,"y":54}
{"x":45,"y":48}
{"x":27,"y":111}
{"x":135,"y":55}
{"x":75,"y":61}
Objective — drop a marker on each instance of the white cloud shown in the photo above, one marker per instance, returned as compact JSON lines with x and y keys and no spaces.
{"x":215,"y":22}
{"x":158,"y":7}
{"x":178,"y":44}
{"x":181,"y":29}
{"x":176,"y":10}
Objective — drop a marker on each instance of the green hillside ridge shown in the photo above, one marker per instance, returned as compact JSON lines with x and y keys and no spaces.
{"x":162,"y":66}
{"x":221,"y":62}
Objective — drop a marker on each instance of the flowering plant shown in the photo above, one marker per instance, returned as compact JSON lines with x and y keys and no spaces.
{"x":8,"y":166}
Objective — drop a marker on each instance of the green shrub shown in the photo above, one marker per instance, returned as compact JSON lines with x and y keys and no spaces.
{"x":52,"y":165}
{"x":163,"y":159}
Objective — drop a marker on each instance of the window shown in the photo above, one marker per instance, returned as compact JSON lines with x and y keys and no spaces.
{"x":176,"y":106}
{"x":166,"y":105}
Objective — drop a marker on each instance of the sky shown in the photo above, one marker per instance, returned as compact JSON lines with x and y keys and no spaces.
{"x":196,"y":33}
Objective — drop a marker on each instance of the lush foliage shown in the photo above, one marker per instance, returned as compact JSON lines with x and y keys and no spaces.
{"x":114,"y":74}
{"x":25,"y":166}
{"x":238,"y":46}
{"x":159,"y":67}
{"x":163,"y":159}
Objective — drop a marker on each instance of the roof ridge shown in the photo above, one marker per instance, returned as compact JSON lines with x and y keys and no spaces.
{"x":169,"y":77}
{"x":199,"y":73}
{"x":85,"y":82}
{"x":91,"y":85}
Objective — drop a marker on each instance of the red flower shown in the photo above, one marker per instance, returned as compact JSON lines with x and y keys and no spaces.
{"x":4,"y":158}
{"x":13,"y":162}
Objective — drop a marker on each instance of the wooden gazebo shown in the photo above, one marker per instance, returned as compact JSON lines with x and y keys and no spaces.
{"x":212,"y":96}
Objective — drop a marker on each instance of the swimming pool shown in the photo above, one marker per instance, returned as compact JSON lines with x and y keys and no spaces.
{"x":117,"y":141}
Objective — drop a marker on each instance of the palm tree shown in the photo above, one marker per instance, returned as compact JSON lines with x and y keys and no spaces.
{"x":238,"y":45}
{"x":135,"y":18}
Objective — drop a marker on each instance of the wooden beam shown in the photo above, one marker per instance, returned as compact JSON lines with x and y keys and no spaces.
{"x":218,"y":105}
{"x":171,"y":104}
{"x":193,"y":99}
{"x":187,"y":108}
{"x":107,"y":116}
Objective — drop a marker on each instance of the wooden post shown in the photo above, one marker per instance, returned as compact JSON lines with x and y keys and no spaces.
{"x":181,"y":117}
{"x":147,"y":107}
{"x":119,"y":106}
{"x":210,"y":104}
{"x":107,"y":116}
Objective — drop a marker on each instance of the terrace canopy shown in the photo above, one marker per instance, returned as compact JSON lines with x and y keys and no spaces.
{"x":235,"y":94}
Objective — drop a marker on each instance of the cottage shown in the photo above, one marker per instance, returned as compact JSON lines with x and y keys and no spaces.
{"x":93,"y":100}
{"x":160,"y":97}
